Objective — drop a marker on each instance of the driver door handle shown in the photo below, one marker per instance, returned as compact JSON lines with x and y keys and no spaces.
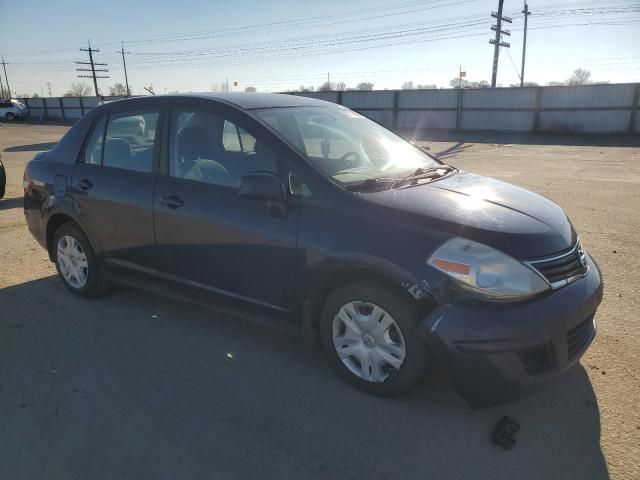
{"x":172,"y":201}
{"x":85,"y":184}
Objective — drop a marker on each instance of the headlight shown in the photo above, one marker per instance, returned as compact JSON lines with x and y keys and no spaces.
{"x":486,"y":270}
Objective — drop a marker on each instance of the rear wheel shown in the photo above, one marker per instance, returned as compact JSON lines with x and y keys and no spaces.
{"x":76,"y":262}
{"x":10,"y":117}
{"x":368,"y":334}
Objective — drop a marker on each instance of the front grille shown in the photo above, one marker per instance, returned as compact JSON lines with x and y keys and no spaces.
{"x":579,"y":336}
{"x":537,"y":359}
{"x":563,"y":268}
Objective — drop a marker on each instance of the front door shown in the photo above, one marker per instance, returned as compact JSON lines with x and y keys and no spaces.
{"x":113,"y":185}
{"x":206,"y":233}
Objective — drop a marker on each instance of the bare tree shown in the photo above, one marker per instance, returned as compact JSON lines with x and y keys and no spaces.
{"x":118,"y":90}
{"x":427,"y":86}
{"x":214,"y":86}
{"x":306,"y":89}
{"x":340,"y":86}
{"x":580,"y":76}
{"x":250,"y":89}
{"x":364,"y":86}
{"x":459,"y":83}
{"x":479,"y":84}
{"x":554,"y":83}
{"x":327,"y":86}
{"x":408,"y":85}
{"x":224,"y":86}
{"x":78,"y":89}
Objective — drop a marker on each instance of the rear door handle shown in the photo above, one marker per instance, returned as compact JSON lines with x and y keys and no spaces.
{"x":172,"y":201}
{"x":85,"y":184}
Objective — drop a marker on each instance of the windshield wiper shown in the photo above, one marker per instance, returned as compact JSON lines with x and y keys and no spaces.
{"x":422,"y":172}
{"x":371,"y":184}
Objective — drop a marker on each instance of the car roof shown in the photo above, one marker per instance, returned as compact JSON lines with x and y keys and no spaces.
{"x":246,"y":100}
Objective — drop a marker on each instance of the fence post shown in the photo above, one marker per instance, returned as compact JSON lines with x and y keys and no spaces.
{"x":634,"y":109}
{"x":394,"y":120}
{"x":339,"y":97}
{"x":536,"y":109}
{"x":61,"y":108}
{"x":459,"y":110}
{"x":81,"y":107}
{"x":44,"y":104}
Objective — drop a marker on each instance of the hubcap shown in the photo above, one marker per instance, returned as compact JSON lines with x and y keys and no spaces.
{"x":368,"y":341}
{"x":72,"y":261}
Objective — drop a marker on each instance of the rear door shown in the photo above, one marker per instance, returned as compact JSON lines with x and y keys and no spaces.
{"x":113,"y":184}
{"x":209,"y":236}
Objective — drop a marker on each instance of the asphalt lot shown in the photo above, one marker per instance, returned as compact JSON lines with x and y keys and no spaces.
{"x":136,"y":386}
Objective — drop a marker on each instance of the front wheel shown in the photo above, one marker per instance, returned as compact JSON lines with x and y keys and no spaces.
{"x":368,"y":334}
{"x":10,"y":117}
{"x":76,"y":262}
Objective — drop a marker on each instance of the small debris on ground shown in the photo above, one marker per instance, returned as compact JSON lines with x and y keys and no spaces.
{"x":503,"y":433}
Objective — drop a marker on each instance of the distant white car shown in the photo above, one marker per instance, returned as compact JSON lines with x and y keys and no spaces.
{"x":12,"y":110}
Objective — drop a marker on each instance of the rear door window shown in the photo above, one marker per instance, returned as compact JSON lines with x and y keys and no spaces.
{"x":130,"y":139}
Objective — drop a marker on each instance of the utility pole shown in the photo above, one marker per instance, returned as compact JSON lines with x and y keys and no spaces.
{"x":49,"y":87}
{"x":497,"y":41}
{"x":524,"y":43}
{"x":93,"y":68}
{"x":124,"y":64}
{"x":460,"y":75}
{"x":6,"y":79}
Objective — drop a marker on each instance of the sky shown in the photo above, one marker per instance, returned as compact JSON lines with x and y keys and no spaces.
{"x":277,"y":45}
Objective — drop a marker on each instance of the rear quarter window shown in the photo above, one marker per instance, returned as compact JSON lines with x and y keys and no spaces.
{"x":93,"y":148}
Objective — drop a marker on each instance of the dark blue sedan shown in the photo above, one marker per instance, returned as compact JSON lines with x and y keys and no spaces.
{"x":287,"y":209}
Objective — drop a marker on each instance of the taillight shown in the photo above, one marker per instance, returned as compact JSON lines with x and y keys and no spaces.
{"x":26,"y":181}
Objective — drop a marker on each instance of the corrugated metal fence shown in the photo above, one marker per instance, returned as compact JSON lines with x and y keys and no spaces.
{"x":603,"y":109}
{"x":588,"y":109}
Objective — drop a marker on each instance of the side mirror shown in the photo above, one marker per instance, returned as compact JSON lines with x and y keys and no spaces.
{"x":265,"y":186}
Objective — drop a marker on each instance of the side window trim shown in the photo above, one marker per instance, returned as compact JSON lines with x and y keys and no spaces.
{"x":87,"y":139}
{"x":104,"y":138}
{"x":239,"y":137}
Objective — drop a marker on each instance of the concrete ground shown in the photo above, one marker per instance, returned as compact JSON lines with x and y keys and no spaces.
{"x":136,"y":386}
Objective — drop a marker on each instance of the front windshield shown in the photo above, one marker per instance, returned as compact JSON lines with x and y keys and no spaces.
{"x":345,"y":145}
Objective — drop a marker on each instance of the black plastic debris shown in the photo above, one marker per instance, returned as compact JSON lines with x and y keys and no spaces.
{"x":503,"y":433}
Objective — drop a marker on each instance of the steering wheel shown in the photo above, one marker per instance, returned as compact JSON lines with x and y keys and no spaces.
{"x":355,"y":155}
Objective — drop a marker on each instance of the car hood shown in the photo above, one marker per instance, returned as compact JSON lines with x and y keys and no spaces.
{"x":509,"y":218}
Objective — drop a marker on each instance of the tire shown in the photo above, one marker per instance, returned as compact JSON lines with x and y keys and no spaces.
{"x":359,"y":298}
{"x":88,"y":270}
{"x":10,"y":117}
{"x":3,"y":179}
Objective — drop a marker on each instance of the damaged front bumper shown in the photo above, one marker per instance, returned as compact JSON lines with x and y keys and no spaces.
{"x":496,"y":352}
